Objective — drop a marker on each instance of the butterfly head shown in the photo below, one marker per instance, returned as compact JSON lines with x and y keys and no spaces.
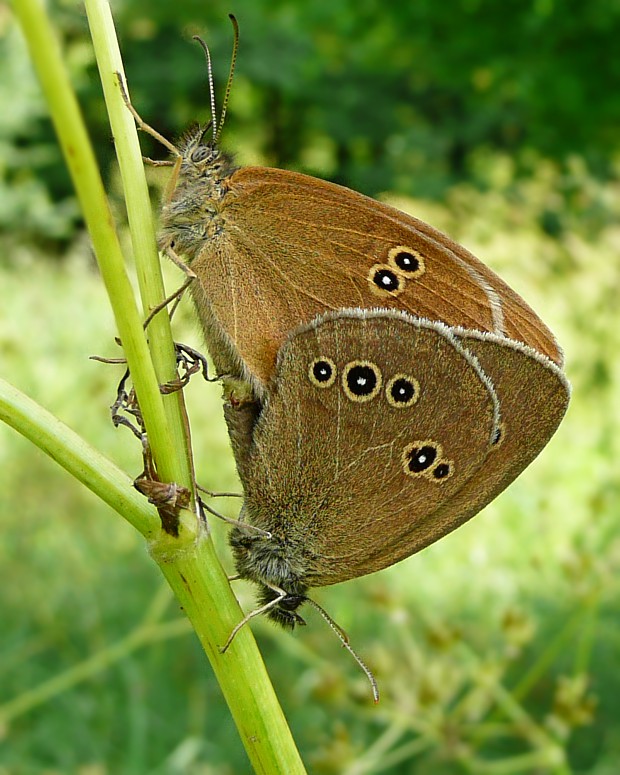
{"x":193,"y":197}
{"x":273,"y":564}
{"x":201,"y":158}
{"x":285,"y":612}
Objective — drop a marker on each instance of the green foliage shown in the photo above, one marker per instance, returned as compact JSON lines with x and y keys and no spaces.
{"x":496,"y":650}
{"x":36,"y":199}
{"x":397,"y":96}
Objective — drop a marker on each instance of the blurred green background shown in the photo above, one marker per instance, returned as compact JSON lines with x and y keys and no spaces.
{"x":497,"y":649}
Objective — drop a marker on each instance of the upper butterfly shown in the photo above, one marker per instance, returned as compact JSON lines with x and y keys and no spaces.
{"x":272,"y":249}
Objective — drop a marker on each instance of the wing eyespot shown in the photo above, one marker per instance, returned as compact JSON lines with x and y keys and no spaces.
{"x":402,"y":391}
{"x":498,"y":435}
{"x":406,"y":261}
{"x":425,"y":458}
{"x":419,"y":457}
{"x":361,"y":380}
{"x":442,"y":471}
{"x":322,"y":372}
{"x":385,"y":281}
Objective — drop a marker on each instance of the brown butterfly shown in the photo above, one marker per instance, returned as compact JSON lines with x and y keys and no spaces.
{"x":382,"y":385}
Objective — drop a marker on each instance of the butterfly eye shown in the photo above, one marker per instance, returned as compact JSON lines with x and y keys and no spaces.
{"x":201,"y":153}
{"x":406,"y":261}
{"x":384,"y":281}
{"x":322,"y":372}
{"x":402,"y":391}
{"x":361,"y":380}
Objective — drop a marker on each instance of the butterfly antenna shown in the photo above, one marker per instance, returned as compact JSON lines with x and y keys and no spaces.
{"x":233,"y":62}
{"x":205,"y":48}
{"x":342,"y":636}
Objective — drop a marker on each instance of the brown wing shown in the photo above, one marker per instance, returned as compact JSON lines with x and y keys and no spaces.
{"x":292,"y":247}
{"x":375,"y":421}
{"x":533,"y":394}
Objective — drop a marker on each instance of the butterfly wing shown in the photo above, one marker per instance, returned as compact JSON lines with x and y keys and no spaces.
{"x":292,"y":247}
{"x":374,"y":422}
{"x":533,"y":395}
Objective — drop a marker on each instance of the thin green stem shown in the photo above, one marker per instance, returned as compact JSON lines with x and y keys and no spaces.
{"x":556,"y":645}
{"x":188,"y":562}
{"x":169,"y":442}
{"x":587,"y":636}
{"x":89,"y":668}
{"x":77,"y":457}
{"x":68,"y":122}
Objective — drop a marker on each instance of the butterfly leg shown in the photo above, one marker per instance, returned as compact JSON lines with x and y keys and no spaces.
{"x":190,"y":276}
{"x":142,"y":124}
{"x":245,"y":526}
{"x":127,"y":403}
{"x":189,"y":361}
{"x":212,"y":494}
{"x":281,"y":594}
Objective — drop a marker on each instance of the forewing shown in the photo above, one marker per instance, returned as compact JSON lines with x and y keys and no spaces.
{"x":326,"y":247}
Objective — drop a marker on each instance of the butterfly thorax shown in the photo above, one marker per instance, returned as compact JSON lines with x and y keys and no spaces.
{"x":192,"y":212}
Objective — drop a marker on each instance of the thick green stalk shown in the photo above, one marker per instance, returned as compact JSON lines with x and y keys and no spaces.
{"x":188,"y":562}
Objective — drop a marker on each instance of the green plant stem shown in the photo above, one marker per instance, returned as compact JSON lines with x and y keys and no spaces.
{"x":189,"y":562}
{"x":555,"y":646}
{"x":172,"y":453}
{"x":77,"y":457}
{"x":192,"y":571}
{"x":66,"y":116}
